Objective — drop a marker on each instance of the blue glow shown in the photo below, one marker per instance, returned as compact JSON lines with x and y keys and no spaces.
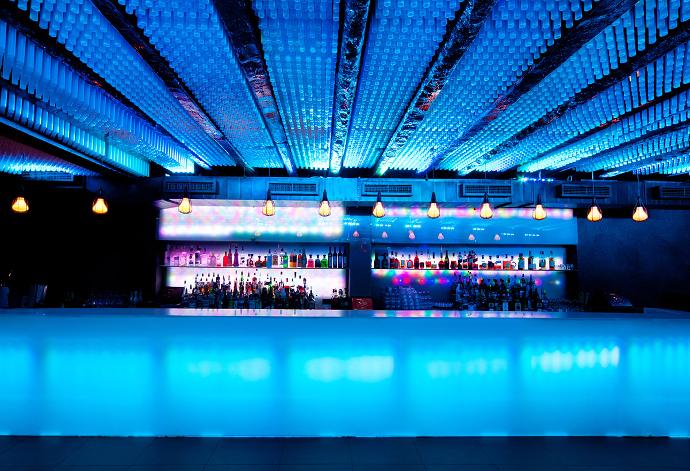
{"x":300,"y":41}
{"x":401,"y":42}
{"x":87,"y":34}
{"x":197,"y":47}
{"x":119,"y":374}
{"x":508,"y":43}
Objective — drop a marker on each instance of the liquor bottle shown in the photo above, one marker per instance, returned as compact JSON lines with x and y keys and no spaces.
{"x":453,"y":262}
{"x":324,"y":261}
{"x":416,"y":261}
{"x":190,"y":260}
{"x":269,"y":260}
{"x":484,"y":265}
{"x":542,"y":261}
{"x":384,"y":261}
{"x":330,"y":258}
{"x":427,"y":261}
{"x":310,"y":262}
{"x":521,"y":262}
{"x":434,"y":265}
{"x":410,"y":262}
{"x":377,"y":261}
{"x":489,"y":264}
{"x":344,"y":259}
{"x":285,"y":258}
{"x":236,"y":259}
{"x":506,"y":263}
{"x":212,"y":260}
{"x":299,"y":259}
{"x":197,"y":256}
{"x":530,"y":262}
{"x":552,"y":262}
{"x":276,"y":260}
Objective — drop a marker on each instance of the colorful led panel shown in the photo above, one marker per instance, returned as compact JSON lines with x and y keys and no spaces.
{"x":18,"y":158}
{"x":233,"y":222}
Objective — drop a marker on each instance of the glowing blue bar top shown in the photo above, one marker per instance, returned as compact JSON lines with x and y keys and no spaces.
{"x":361,"y":373}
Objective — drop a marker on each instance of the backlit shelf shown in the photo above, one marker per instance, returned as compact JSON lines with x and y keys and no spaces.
{"x":456,"y":270}
{"x":247,"y":268}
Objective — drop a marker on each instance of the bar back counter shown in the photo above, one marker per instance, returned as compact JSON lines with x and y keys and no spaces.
{"x":342,"y":373}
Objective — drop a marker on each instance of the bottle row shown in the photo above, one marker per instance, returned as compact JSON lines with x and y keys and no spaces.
{"x":252,"y":292}
{"x":466,"y":261}
{"x":277,"y":258}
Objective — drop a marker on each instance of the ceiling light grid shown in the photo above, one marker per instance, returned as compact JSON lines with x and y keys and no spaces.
{"x":509,"y":42}
{"x":54,"y":126}
{"x":674,"y":141}
{"x":402,"y":40}
{"x":17,"y":158}
{"x":89,"y":36}
{"x":300,"y":41}
{"x":191,"y":37}
{"x":673,"y":166}
{"x":29,"y":67}
{"x":633,"y":92}
{"x":604,"y":53}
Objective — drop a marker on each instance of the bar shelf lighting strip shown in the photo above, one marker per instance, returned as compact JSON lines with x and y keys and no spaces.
{"x":27,"y":66}
{"x":55,"y":126}
{"x":623,"y":39}
{"x":649,"y":83}
{"x":191,"y":37}
{"x":515,"y":35}
{"x":401,"y":43}
{"x":87,"y":34}
{"x":17,"y":159}
{"x":300,"y":41}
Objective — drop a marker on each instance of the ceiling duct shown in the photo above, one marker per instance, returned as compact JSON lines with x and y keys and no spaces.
{"x":293,"y":189}
{"x":59,"y":177}
{"x":387,"y":189}
{"x":195,"y":187}
{"x":584,"y":190}
{"x":673,"y":192}
{"x":495,"y":190}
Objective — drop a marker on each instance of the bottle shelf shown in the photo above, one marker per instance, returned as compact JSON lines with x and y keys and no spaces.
{"x":204,"y":267}
{"x":456,"y":270}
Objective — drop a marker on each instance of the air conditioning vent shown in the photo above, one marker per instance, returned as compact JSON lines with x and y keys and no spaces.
{"x":496,"y":190}
{"x":293,"y":189}
{"x":584,"y":190}
{"x":387,"y":189}
{"x":674,"y":192}
{"x":62,"y":177}
{"x":194,"y":187}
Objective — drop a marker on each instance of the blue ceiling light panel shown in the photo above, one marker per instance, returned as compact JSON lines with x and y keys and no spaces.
{"x":300,"y":41}
{"x":86,"y":33}
{"x":28,"y":68}
{"x":638,"y":91}
{"x":596,"y":60}
{"x":677,"y":165}
{"x":17,"y":158}
{"x":512,"y":38}
{"x":190,"y":35}
{"x":402,"y":40}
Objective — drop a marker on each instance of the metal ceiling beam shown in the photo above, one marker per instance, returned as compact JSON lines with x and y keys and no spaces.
{"x":356,"y":15}
{"x":460,"y":34}
{"x":242,"y":28}
{"x":602,"y":14}
{"x":127,"y":26}
{"x":663,"y":46}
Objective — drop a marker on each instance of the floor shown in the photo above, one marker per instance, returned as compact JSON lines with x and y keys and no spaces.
{"x":343,"y":454}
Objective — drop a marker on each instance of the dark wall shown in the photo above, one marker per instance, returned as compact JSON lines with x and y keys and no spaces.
{"x":649,"y":262}
{"x":62,"y":244}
